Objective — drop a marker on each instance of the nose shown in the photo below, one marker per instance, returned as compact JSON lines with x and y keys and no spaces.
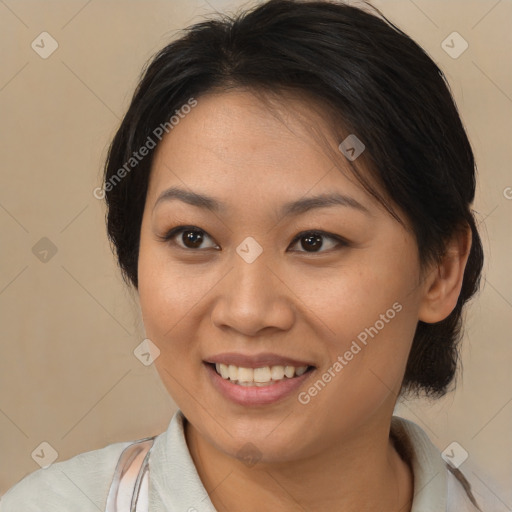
{"x":253,"y":297}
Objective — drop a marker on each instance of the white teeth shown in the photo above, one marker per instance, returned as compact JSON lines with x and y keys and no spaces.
{"x":245,"y":374}
{"x":277,"y":372}
{"x":223,"y":370}
{"x":233,"y":372}
{"x":289,"y":371}
{"x":262,"y":374}
{"x":258,"y":376}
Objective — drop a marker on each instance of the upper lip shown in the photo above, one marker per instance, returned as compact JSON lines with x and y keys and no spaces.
{"x":255,"y":361}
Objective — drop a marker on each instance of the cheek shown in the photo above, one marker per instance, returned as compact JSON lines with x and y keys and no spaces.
{"x":172,"y":299}
{"x":366,"y":362}
{"x":162,"y":290}
{"x":167,"y":303}
{"x":168,"y":295}
{"x":355,"y":295}
{"x":158,"y":301}
{"x":368,"y":312}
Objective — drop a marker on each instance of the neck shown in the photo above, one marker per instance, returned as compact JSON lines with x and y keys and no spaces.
{"x":361,"y":473}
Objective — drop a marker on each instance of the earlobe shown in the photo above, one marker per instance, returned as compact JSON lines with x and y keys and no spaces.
{"x":442,"y":288}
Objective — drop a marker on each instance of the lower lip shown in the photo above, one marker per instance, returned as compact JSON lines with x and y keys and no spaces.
{"x":256,"y":395}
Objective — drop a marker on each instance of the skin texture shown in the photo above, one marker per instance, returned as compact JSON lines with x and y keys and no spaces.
{"x":333,"y":453}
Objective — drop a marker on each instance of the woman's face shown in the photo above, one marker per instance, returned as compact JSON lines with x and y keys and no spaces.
{"x":238,"y":287}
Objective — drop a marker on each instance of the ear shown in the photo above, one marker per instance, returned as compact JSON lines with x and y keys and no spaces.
{"x":443,"y":284}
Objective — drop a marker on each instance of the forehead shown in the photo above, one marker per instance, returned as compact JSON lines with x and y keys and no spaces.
{"x":235,"y":143}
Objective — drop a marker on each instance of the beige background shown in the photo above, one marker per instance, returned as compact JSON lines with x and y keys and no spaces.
{"x":68,"y":374}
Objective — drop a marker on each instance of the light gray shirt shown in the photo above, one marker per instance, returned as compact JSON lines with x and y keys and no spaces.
{"x":82,"y":483}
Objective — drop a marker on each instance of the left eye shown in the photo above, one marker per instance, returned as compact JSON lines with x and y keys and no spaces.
{"x":313,"y":240}
{"x":192,"y":238}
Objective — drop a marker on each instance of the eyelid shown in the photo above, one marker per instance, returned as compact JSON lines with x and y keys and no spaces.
{"x":169,"y":235}
{"x":341,"y":242}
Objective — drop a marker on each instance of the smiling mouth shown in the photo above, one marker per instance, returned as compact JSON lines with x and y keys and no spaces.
{"x":259,"y":377}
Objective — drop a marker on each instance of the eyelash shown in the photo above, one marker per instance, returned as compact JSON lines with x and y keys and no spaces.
{"x":171,"y":234}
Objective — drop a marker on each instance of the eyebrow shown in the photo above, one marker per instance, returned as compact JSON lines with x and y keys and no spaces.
{"x":291,"y":208}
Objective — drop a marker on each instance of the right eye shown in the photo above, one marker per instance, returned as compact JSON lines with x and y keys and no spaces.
{"x":191,"y":237}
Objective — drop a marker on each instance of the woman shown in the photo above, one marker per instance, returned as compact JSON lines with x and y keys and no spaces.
{"x":290,"y":194}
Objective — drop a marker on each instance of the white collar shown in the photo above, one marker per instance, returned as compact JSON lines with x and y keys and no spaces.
{"x":176,"y":486}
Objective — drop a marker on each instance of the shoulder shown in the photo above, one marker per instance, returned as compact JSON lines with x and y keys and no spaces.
{"x":464,"y":497}
{"x":80,"y":483}
{"x":438,"y":485}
